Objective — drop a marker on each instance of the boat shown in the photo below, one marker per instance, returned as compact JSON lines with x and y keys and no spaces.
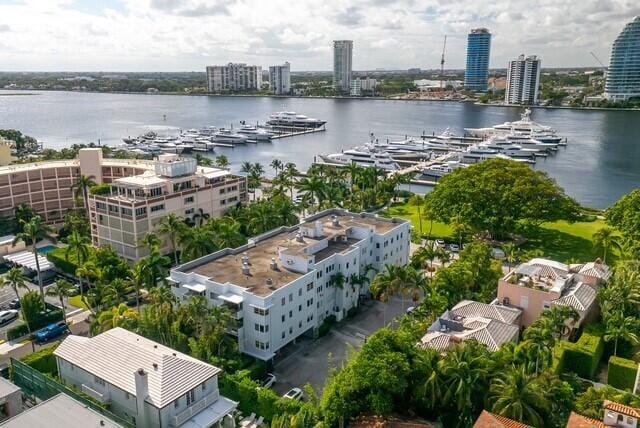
{"x":227,"y":136}
{"x":439,"y":170}
{"x":254,"y":133}
{"x":476,"y":154}
{"x":446,"y":137}
{"x":366,"y":156}
{"x":523,"y":126}
{"x":291,"y":118}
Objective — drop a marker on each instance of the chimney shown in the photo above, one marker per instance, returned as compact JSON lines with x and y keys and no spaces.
{"x":245,"y":269}
{"x":273,"y":265}
{"x":270,"y":283}
{"x":318,"y":229}
{"x":142,"y":392}
{"x":335,"y":221}
{"x":299,"y":237}
{"x":245,"y":258}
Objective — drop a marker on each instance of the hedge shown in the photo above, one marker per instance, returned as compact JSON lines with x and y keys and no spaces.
{"x":326,"y":325}
{"x":57,"y":257}
{"x":622,"y":373}
{"x":44,"y":361}
{"x":582,"y":357}
{"x":54,"y":314}
{"x":100,"y":189}
{"x":17,"y":332}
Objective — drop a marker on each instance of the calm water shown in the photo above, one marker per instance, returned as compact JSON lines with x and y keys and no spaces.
{"x":600,"y":163}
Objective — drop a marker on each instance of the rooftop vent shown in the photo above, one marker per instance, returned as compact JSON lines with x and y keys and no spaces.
{"x":245,"y":269}
{"x":270,"y":283}
{"x":245,"y":258}
{"x":273,"y":265}
{"x":155,"y":366}
{"x":299,"y":237}
{"x":335,"y":221}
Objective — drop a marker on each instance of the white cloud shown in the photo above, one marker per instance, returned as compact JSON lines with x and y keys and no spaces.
{"x":173,"y":35}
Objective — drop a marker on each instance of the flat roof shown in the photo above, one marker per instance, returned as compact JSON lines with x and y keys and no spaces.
{"x":60,"y":411}
{"x":7,"y":388}
{"x":147,"y":178}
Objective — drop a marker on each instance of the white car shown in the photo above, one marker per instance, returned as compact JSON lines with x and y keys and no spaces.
{"x":440,"y":243}
{"x":8,"y":315}
{"x":293,"y":394}
{"x":269,"y":380}
{"x":454,"y":248}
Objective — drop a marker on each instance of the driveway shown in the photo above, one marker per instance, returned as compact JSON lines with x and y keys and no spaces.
{"x":309,"y":361}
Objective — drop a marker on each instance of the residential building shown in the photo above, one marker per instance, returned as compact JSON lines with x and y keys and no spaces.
{"x":523,"y":80}
{"x":478,"y":53}
{"x":541,"y":284}
{"x":10,"y":399}
{"x":490,"y":325}
{"x":620,"y":415}
{"x":287,"y":282}
{"x":342,"y":65}
{"x":234,"y":77}
{"x":623,"y":75}
{"x":491,"y":420}
{"x":170,"y":184}
{"x":280,"y":79}
{"x":143,"y":381}
{"x":60,"y":411}
{"x":360,"y":86}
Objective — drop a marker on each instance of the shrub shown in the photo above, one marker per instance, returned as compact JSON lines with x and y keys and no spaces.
{"x":622,"y":373}
{"x":44,"y":361}
{"x":258,"y":370}
{"x":353,"y":311}
{"x":17,"y":332}
{"x":51,"y":315}
{"x":582,"y":357}
{"x":100,"y":189}
{"x":326,"y":325}
{"x":58,"y":258}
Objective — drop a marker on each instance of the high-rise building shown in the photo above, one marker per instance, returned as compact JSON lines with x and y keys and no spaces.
{"x":234,"y":77}
{"x":478,"y":51}
{"x":342,"y":65}
{"x":523,"y":80}
{"x":623,"y":77}
{"x":280,"y":79}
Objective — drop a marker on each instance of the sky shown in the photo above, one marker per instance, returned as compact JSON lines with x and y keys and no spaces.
{"x":187,"y":35}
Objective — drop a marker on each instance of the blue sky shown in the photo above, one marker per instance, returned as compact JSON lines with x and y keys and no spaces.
{"x":187,"y":35}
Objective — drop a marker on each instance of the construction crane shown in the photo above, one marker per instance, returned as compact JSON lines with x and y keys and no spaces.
{"x":599,"y":62}
{"x":444,"y":45}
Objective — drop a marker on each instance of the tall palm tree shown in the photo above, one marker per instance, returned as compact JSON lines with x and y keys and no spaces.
{"x":117,"y":316}
{"x":607,"y":239}
{"x":155,"y":266}
{"x":510,"y":252}
{"x":277,"y":165}
{"x":32,"y":232}
{"x":428,"y":252}
{"x":386,"y":284}
{"x":516,"y":395}
{"x":16,"y":280}
{"x":150,"y":241}
{"x":222,"y":162}
{"x":172,"y":226}
{"x":203,"y":160}
{"x":618,"y":327}
{"x":464,"y":372}
{"x":137,"y":281}
{"x":81,"y":188}
{"x":227,"y":233}
{"x":197,"y":242}
{"x":115,"y":292}
{"x":414,"y":283}
{"x":314,"y":186}
{"x":61,"y":289}
{"x":79,"y":245}
{"x":538,"y":344}
{"x":417,"y":201}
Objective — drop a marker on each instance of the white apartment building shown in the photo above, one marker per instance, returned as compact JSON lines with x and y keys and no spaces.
{"x":523,"y":80}
{"x":359,"y":85}
{"x":282,"y":284}
{"x":280,"y":79}
{"x":171,"y":184}
{"x":342,"y":65}
{"x":234,"y":77}
{"x":144,"y":382}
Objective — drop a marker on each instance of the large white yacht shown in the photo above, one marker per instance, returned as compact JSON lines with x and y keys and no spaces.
{"x":227,"y":136}
{"x":254,"y":133}
{"x":366,"y":156}
{"x":291,"y":118}
{"x":523,"y":126}
{"x":439,"y":170}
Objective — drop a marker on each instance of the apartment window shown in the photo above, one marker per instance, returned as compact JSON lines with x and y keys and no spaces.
{"x":283,"y":333}
{"x":300,"y":292}
{"x":283,"y":318}
{"x":176,"y":403}
{"x":126,"y":211}
{"x":300,"y":324}
{"x":377,"y":245}
{"x":204,"y":386}
{"x":101,"y":205}
{"x":188,"y":200}
{"x":290,"y":314}
{"x":189,"y":211}
{"x":261,"y":328}
{"x":299,"y":308}
{"x":113,"y":209}
{"x":310,"y":286}
{"x":156,"y":191}
{"x":291,"y":297}
{"x":283,"y":301}
{"x":290,"y":330}
{"x":98,"y":380}
{"x":141,"y":211}
{"x":260,"y":311}
{"x":157,"y":208}
{"x":191,"y":397}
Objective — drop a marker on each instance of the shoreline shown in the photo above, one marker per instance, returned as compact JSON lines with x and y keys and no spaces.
{"x":337,"y":97}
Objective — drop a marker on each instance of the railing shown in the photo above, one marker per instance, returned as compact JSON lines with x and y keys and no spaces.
{"x":103,"y":398}
{"x":195,"y":408}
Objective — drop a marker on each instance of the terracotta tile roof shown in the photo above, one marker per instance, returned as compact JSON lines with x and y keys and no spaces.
{"x":622,"y":409}
{"x":490,"y":420}
{"x":579,"y":421}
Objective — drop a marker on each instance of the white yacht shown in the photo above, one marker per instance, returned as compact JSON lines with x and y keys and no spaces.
{"x":446,"y":136}
{"x":439,"y":170}
{"x":291,"y":118}
{"x":254,"y":133}
{"x":477,"y":153}
{"x":366,"y":156}
{"x":227,"y":136}
{"x":524,"y":126}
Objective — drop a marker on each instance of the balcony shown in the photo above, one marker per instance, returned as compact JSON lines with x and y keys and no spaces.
{"x":101,"y":397}
{"x":194,"y":409}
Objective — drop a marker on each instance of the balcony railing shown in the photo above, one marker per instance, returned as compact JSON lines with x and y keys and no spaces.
{"x":195,"y":408}
{"x":101,"y":397}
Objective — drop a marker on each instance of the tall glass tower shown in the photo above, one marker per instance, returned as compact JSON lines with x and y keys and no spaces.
{"x":478,"y":51}
{"x":623,"y":76}
{"x":342,"y":65}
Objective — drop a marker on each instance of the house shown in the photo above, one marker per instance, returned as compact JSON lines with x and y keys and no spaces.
{"x":491,"y":420}
{"x":287,"y":282}
{"x":579,"y":421}
{"x":61,"y":411}
{"x":540,"y":284}
{"x":143,"y":381}
{"x":10,"y":399}
{"x":491,"y":325}
{"x":620,"y":415}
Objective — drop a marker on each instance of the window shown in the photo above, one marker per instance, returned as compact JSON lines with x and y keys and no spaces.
{"x":189,"y":211}
{"x":290,"y":314}
{"x":299,"y":308}
{"x":188,"y":200}
{"x":283,"y":334}
{"x":113,"y":209}
{"x":141,"y":211}
{"x":377,"y":245}
{"x":283,"y":301}
{"x":300,"y":324}
{"x":546,"y":304}
{"x":261,"y":311}
{"x":176,"y":403}
{"x":291,"y":297}
{"x":282,"y":318}
{"x":126,"y":211}
{"x":290,"y":330}
{"x":310,"y":286}
{"x":300,"y":292}
{"x":157,"y":208}
{"x":191,"y":397}
{"x":98,"y":380}
{"x":204,"y":386}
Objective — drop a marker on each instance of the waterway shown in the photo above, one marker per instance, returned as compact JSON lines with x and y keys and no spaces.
{"x":600,"y":163}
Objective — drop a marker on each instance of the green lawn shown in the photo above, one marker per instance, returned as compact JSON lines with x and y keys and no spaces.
{"x":77,"y":302}
{"x":560,"y":240}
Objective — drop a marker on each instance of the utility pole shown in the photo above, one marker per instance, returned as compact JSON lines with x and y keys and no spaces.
{"x":444,"y":45}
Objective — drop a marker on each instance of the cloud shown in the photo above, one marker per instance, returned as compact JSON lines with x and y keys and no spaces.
{"x":4,"y":28}
{"x":191,"y":9}
{"x":350,"y":17}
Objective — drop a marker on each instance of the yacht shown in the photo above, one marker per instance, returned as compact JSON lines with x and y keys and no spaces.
{"x":524,"y":126}
{"x":227,"y":136}
{"x":403,"y":146}
{"x":446,"y":137}
{"x":366,"y":156}
{"x":291,"y":118}
{"x":255,"y":133}
{"x":439,"y":170}
{"x":477,"y":154}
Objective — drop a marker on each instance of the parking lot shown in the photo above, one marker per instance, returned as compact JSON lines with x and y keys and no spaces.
{"x":309,"y":361}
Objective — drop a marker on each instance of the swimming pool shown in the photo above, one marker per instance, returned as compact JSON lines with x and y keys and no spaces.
{"x":47,"y":249}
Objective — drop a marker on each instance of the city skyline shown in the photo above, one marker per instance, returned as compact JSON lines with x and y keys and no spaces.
{"x":186,"y":35}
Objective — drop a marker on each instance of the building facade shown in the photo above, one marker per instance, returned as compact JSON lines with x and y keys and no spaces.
{"x":523,"y":80}
{"x":171,"y":184}
{"x":142,"y":381}
{"x":623,"y":75}
{"x":287,"y":282}
{"x":342,"y":65}
{"x":476,"y":73}
{"x":280,"y":79}
{"x":234,"y":77}
{"x":363,"y":86}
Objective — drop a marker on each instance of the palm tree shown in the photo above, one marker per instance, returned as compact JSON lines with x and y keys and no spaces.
{"x":117,"y":316}
{"x":197,"y":242}
{"x":78,"y":244}
{"x":172,"y":226}
{"x":417,"y":201}
{"x":464,"y":372}
{"x":61,"y":289}
{"x":618,"y":327}
{"x":246,"y":167}
{"x":115,"y":291}
{"x":427,"y":252}
{"x":154,"y":266}
{"x":227,"y":233}
{"x":222,"y":162}
{"x":81,"y":188}
{"x":606,"y":238}
{"x":314,"y":186}
{"x":137,"y":281}
{"x":276,"y":164}
{"x":516,"y":395}
{"x":200,"y":217}
{"x":414,"y":283}
{"x":386,"y":284}
{"x":203,"y":160}
{"x":15,"y":279}
{"x":32,"y":232}
{"x":510,"y":252}
{"x":338,"y":280}
{"x":538,"y":343}
{"x":151,"y":241}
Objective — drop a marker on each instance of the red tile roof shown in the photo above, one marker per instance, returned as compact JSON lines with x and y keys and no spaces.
{"x":621,"y":408}
{"x":579,"y":421}
{"x":490,"y":420}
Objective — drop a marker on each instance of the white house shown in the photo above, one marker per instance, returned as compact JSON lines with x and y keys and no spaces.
{"x":143,"y":381}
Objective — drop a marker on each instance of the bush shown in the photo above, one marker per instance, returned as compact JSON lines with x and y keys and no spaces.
{"x":353,"y":311}
{"x":51,"y":315}
{"x":582,"y":357}
{"x":44,"y":361}
{"x":100,"y":189}
{"x":326,"y":325}
{"x":58,"y":258}
{"x":622,"y":373}
{"x":17,"y":332}
{"x":258,"y":370}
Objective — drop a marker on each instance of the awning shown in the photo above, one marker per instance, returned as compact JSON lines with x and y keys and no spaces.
{"x":26,"y":259}
{"x":212,"y":414}
{"x":231,"y":298}
{"x":197,"y":288}
{"x":7,"y":239}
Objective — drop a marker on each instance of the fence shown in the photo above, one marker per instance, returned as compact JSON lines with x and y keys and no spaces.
{"x":44,"y":387}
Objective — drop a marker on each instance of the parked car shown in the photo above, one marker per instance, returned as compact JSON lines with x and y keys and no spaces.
{"x":14,"y":304}
{"x":269,"y":380}
{"x":411,"y":309}
{"x":8,"y":315}
{"x":454,"y":248}
{"x":498,"y":253}
{"x":440,"y":243}
{"x":293,"y":394}
{"x":51,"y":332}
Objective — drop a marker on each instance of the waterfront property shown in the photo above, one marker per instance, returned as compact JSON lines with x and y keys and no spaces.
{"x":287,"y":282}
{"x":476,"y":73}
{"x":623,"y":74}
{"x":136,"y":203}
{"x":342,"y":65}
{"x":541,"y":284}
{"x":523,"y":80}
{"x":143,"y":381}
{"x":491,"y":325}
{"x":280,"y":79}
{"x":234,"y":77}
